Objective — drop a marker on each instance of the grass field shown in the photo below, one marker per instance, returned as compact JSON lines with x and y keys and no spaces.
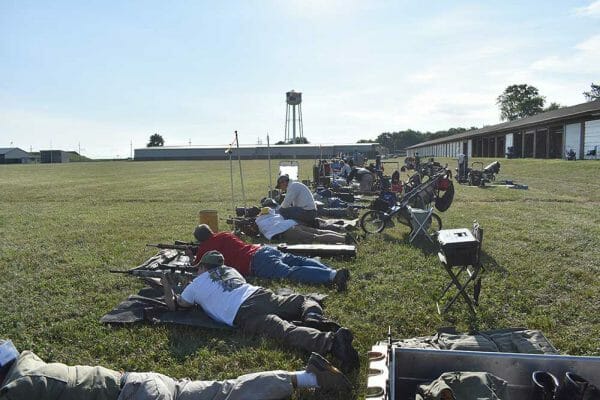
{"x":62,"y":227}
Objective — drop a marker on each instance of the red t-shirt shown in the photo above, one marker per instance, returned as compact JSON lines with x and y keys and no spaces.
{"x":238,"y":254}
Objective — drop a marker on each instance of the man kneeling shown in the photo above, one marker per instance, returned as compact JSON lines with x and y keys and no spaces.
{"x":295,"y":320}
{"x":26,"y":376}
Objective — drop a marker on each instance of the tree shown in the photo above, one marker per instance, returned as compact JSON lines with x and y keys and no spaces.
{"x":553,"y":106}
{"x":156,"y":140}
{"x":593,"y":94}
{"x":299,"y":140}
{"x":518,"y":101}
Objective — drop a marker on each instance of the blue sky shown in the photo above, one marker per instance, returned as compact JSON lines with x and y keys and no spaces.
{"x":102,"y":75}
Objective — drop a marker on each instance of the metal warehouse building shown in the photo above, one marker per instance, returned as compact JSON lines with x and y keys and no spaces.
{"x":14,"y":155}
{"x":547,"y":135}
{"x":309,"y":151}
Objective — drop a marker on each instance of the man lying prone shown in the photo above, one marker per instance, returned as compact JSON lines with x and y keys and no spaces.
{"x":294,"y":320}
{"x":26,"y":376}
{"x":266,"y":261}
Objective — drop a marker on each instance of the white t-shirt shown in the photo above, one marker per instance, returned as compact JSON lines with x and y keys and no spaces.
{"x":299,"y":195}
{"x":220,"y":292}
{"x":272,"y":224}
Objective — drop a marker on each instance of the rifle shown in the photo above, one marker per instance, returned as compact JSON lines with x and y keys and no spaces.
{"x":186,"y":271}
{"x":177,"y":246}
{"x":148,"y":273}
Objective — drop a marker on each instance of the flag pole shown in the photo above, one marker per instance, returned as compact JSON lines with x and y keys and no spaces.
{"x":230,"y":151}
{"x":269,"y":156}
{"x":237,"y":142}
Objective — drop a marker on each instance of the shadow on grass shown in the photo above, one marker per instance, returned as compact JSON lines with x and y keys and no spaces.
{"x":490,"y":264}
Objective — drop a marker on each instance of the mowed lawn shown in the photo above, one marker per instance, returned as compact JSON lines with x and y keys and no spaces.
{"x":62,"y":227}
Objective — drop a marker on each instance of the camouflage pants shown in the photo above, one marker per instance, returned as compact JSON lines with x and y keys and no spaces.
{"x":273,"y":385}
{"x":265,"y":313}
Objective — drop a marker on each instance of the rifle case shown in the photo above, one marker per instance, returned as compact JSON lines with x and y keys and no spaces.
{"x":318,"y":250}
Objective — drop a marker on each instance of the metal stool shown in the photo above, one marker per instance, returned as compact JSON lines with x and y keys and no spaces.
{"x":469,"y":263}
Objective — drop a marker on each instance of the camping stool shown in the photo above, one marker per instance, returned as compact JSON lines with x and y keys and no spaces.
{"x":420,"y":221}
{"x":461,"y":252}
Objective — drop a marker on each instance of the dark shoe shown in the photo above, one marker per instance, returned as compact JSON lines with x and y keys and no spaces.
{"x":340,"y":280}
{"x":319,"y":322}
{"x":350,"y":239}
{"x":329,"y":378}
{"x":574,"y":387}
{"x":342,"y":349}
{"x":170,"y":300}
{"x":544,"y":385}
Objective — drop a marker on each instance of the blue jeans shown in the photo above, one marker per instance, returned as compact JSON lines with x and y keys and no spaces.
{"x":299,"y":214}
{"x":333,"y":212}
{"x":268,"y":262}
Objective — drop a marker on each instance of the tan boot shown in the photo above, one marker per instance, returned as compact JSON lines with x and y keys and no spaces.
{"x":329,"y":378}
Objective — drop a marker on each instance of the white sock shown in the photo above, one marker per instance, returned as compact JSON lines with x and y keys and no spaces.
{"x":306,"y":379}
{"x":332,"y":274}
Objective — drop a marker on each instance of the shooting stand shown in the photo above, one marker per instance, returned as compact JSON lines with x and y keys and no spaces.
{"x":460,"y":252}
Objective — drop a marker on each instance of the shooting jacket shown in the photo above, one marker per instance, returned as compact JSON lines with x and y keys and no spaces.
{"x":32,"y":378}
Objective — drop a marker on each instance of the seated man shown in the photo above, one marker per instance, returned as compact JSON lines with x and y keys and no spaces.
{"x":26,"y":376}
{"x":273,"y":225}
{"x":345,"y":169}
{"x":299,"y":203}
{"x":265,"y":261}
{"x":226,"y":297}
{"x":364,"y":178}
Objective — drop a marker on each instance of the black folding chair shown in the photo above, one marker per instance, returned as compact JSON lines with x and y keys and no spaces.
{"x":473,"y":270}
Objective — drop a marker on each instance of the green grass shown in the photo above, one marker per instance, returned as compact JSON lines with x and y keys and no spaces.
{"x":63,"y":226}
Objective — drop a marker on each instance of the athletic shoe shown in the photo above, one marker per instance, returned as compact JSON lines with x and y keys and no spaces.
{"x":329,"y":377}
{"x":342,"y":349}
{"x":340,"y":280}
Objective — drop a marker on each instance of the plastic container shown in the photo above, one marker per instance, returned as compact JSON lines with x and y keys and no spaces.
{"x":459,"y":246}
{"x":210,"y":218}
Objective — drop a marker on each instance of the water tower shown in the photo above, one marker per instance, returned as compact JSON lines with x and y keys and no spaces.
{"x":293,"y":100}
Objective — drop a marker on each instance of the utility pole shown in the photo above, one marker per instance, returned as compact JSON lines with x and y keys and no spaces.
{"x":131,"y":149}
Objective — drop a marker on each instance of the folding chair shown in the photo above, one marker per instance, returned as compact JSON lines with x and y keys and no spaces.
{"x":462,"y":259}
{"x":420,"y":221}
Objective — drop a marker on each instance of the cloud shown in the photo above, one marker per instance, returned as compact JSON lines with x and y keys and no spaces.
{"x":591,"y":10}
{"x":319,"y":9}
{"x":584,"y":59}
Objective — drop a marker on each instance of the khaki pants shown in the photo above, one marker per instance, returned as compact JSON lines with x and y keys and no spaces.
{"x":306,"y":234}
{"x":265,"y":313}
{"x":273,"y":385}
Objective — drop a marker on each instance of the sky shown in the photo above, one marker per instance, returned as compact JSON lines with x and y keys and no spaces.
{"x":102,"y":76}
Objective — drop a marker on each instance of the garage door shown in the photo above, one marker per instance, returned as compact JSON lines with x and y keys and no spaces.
{"x":592,"y":138}
{"x":572,"y":137}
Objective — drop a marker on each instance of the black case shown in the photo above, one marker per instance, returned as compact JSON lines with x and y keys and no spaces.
{"x":459,"y":246}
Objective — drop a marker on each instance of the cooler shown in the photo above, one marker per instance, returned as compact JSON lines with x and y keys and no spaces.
{"x":459,"y":246}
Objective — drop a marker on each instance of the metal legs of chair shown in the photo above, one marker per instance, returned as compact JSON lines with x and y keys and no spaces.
{"x":462,"y":288}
